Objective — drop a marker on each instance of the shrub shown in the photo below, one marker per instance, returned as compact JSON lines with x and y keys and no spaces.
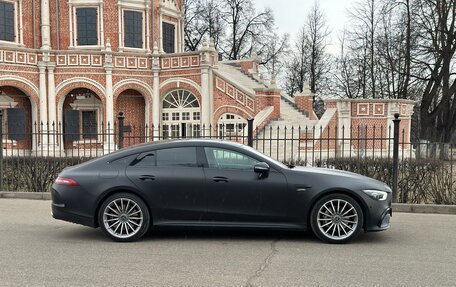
{"x":33,"y":174}
{"x":419,"y":180}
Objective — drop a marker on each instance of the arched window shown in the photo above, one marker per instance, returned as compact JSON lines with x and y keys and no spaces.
{"x":181,"y":116}
{"x":231,"y":124}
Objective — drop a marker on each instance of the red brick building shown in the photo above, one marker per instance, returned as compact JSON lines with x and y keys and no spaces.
{"x":73,"y":65}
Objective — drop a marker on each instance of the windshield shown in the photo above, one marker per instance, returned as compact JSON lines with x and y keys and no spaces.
{"x":263,"y":156}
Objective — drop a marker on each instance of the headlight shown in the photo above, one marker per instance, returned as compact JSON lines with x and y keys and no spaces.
{"x":376,"y":194}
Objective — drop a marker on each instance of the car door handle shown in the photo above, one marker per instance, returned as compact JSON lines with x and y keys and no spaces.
{"x":220,"y":179}
{"x":303,"y":188}
{"x":147,"y":177}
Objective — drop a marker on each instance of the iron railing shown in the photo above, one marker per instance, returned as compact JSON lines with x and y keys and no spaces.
{"x":31,"y":160}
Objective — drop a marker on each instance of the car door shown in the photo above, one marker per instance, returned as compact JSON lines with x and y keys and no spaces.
{"x":173,"y":180}
{"x":236,"y":194}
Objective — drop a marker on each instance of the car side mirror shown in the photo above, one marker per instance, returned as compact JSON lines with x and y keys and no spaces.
{"x":262,"y":169}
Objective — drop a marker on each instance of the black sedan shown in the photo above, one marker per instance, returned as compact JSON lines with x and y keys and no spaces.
{"x":215,"y":184}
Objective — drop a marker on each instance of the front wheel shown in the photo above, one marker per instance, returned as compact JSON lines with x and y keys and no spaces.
{"x":336,"y":218}
{"x":124,"y":217}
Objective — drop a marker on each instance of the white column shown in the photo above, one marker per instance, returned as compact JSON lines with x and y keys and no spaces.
{"x":101,"y":25}
{"x":45,"y":26}
{"x":205,"y":100}
{"x":42,"y":124}
{"x":156,"y":104}
{"x":52,"y":114}
{"x":70,"y":20}
{"x":147,"y":28}
{"x":109,"y":145}
{"x":344,"y":127}
{"x":160,"y":33}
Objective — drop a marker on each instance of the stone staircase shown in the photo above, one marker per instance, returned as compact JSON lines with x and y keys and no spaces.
{"x":279,"y":139}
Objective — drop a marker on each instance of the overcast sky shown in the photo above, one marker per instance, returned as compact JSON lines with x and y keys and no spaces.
{"x":291,"y":14}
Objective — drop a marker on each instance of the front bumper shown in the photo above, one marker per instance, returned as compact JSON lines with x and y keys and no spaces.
{"x":379,"y":220}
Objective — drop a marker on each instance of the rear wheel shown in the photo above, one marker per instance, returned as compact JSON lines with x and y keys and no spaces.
{"x":337,"y":218}
{"x":124,"y":217}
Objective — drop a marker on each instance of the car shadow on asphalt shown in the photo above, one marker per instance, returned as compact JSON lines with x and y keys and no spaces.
{"x":80,"y":233}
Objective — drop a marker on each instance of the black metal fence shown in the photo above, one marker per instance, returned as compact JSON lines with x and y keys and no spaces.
{"x":417,"y":172}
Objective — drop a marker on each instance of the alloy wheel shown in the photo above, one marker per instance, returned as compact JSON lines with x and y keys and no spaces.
{"x":337,"y":219}
{"x":123,"y":218}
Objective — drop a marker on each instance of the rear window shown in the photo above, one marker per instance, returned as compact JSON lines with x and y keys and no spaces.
{"x":182,"y":156}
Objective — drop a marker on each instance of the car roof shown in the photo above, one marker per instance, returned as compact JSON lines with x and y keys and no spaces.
{"x":167,"y":144}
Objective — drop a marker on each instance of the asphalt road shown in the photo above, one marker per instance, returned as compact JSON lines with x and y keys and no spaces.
{"x":36,"y":250}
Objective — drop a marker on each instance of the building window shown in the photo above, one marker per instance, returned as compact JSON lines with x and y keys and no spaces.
{"x":133,"y":25}
{"x":87,"y":26}
{"x":7,"y":22}
{"x":168,"y":37}
{"x":89,"y":124}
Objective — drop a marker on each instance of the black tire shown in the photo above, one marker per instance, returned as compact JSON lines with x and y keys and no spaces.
{"x":133,"y":215}
{"x":333,"y":223}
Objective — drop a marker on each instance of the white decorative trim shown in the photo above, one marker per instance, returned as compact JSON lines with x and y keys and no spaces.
{"x":183,"y":80}
{"x":32,"y":59}
{"x":233,"y":107}
{"x":82,"y":58}
{"x":61,"y":60}
{"x":358,"y":109}
{"x":7,"y":102}
{"x":377,"y":106}
{"x":64,"y":83}
{"x":122,"y":83}
{"x":132,"y":63}
{"x":6,"y":54}
{"x":21,"y":80}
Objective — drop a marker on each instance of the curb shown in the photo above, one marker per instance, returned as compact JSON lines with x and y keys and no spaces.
{"x":397,"y":207}
{"x":424,"y":208}
{"x":26,"y":195}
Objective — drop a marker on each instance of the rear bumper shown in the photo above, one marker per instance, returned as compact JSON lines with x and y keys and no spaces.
{"x":59,"y":212}
{"x":65,"y":207}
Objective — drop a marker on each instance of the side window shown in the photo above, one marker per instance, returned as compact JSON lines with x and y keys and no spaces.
{"x":147,"y":159}
{"x":183,"y":157}
{"x":222,"y":158}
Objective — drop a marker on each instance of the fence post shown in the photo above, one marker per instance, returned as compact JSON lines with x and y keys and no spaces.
{"x":121,"y":119}
{"x":250,"y":132}
{"x":1,"y":150}
{"x":396,"y":122}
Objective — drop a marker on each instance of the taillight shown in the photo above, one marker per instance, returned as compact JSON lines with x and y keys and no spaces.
{"x":66,"y":181}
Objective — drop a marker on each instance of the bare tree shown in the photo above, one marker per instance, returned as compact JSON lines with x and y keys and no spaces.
{"x":203,"y":18}
{"x":435,"y":57}
{"x":273,"y":53}
{"x":309,"y":62}
{"x":247,"y":29}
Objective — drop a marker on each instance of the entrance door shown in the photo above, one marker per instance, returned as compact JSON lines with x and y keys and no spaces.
{"x":181,"y":116}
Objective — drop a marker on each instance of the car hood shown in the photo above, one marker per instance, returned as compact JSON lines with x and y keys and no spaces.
{"x":340,"y":176}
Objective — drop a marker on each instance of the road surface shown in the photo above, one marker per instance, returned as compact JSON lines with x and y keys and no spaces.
{"x":36,"y":250}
